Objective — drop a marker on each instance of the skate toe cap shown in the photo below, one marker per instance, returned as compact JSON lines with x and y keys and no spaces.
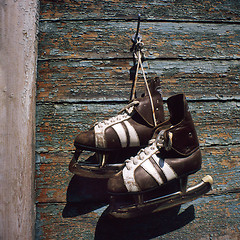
{"x":116,"y":184}
{"x":85,"y":139}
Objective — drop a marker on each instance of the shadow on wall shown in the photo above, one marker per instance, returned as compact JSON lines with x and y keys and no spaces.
{"x":145,"y":227}
{"x":85,"y":195}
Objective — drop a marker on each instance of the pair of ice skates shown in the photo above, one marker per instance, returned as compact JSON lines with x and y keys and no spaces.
{"x":161,"y":154}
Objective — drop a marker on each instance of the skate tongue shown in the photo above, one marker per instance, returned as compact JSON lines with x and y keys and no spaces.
{"x":176,"y":106}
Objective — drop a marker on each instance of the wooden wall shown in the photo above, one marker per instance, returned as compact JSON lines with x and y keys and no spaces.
{"x":83,"y":76}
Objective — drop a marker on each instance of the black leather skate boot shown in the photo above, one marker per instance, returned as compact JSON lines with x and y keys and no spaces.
{"x":119,"y":136}
{"x":172,"y":155}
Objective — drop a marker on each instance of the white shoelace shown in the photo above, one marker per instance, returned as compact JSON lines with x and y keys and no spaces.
{"x":145,"y":153}
{"x":123,"y":114}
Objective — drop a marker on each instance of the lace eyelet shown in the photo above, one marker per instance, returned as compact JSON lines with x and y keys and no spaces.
{"x":147,"y":152}
{"x":135,"y":162}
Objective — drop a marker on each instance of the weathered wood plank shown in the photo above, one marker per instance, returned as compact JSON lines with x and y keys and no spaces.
{"x":209,"y":217}
{"x":58,"y":124}
{"x":51,"y":225}
{"x":109,"y":79}
{"x":83,"y":77}
{"x":53,"y":177}
{"x":56,"y":184}
{"x":184,"y":10}
{"x":111,"y":39}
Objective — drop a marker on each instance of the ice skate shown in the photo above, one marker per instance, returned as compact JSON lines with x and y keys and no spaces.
{"x":119,"y":137}
{"x":122,"y":136}
{"x":156,"y":178}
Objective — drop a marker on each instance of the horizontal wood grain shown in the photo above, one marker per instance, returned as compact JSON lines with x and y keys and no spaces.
{"x":224,"y":10}
{"x":55,"y":183}
{"x":112,"y":39}
{"x":101,"y":80}
{"x":215,"y":216}
{"x":83,"y":77}
{"x":217,"y":123}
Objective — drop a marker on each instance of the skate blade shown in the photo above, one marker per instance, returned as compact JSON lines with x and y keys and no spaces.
{"x":162,"y":203}
{"x":94,"y":167}
{"x":99,"y":164}
{"x":96,"y":171}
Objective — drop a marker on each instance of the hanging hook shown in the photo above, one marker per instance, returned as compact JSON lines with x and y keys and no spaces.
{"x":136,"y":39}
